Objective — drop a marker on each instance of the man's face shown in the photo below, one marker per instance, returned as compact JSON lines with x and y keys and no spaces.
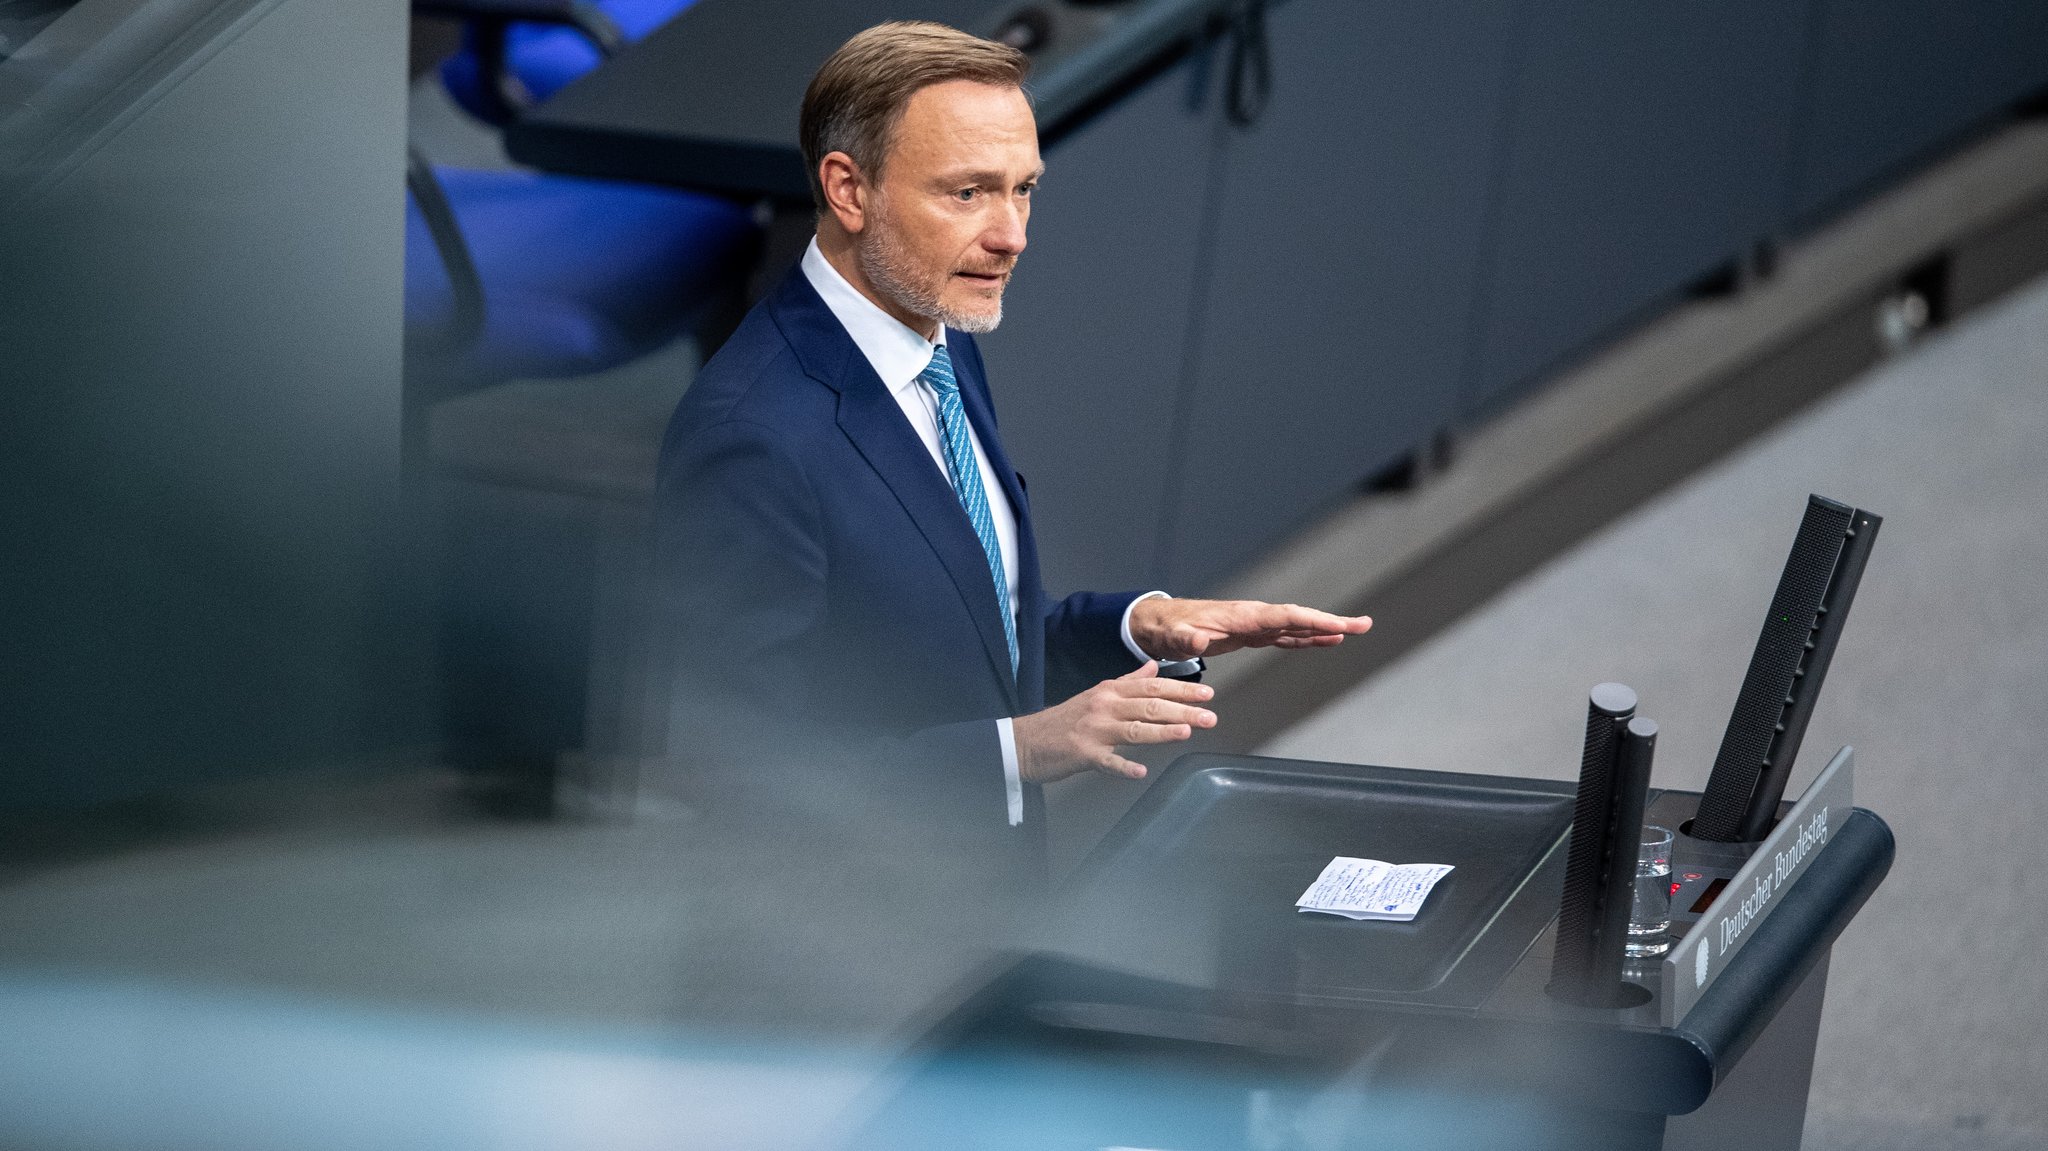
{"x":946,"y":223}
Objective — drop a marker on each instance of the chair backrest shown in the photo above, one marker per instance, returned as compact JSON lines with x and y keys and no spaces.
{"x":541,"y":59}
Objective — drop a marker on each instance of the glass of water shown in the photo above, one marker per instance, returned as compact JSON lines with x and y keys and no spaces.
{"x":1649,"y":921}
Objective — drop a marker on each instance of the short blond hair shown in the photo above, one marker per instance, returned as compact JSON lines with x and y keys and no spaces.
{"x":856,"y":100}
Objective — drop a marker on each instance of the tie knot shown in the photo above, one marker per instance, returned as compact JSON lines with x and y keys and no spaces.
{"x":939,"y":373}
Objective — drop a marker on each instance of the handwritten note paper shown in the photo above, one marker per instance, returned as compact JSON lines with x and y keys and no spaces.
{"x":1369,"y":889}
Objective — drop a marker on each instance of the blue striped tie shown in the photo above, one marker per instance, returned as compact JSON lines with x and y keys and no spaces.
{"x":966,"y":477}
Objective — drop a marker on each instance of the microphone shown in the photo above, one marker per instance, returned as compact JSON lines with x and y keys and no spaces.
{"x":1600,"y":866}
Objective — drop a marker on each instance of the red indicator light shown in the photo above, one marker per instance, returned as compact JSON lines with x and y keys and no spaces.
{"x":1692,"y":875}
{"x":1674,"y":889}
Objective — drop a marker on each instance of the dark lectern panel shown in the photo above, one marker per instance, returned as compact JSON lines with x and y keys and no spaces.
{"x":1086,"y":366}
{"x":1893,"y":80}
{"x":1649,"y":145}
{"x":1346,"y":257}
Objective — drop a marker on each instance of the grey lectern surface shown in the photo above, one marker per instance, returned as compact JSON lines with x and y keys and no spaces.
{"x":1198,"y":1008}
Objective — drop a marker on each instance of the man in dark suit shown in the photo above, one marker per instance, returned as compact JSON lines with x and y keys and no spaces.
{"x":848,"y":550}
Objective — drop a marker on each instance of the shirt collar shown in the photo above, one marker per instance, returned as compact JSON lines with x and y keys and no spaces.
{"x":897,"y":353}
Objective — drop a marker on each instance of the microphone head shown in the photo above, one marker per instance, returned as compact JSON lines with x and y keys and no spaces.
{"x":1615,"y":699}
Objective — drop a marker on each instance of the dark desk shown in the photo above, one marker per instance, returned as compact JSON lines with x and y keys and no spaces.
{"x":710,"y":100}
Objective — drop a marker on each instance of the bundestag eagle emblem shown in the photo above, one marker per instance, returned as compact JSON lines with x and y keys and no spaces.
{"x":1699,"y":962}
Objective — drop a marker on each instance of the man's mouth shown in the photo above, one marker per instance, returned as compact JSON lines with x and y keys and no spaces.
{"x":985,"y":279}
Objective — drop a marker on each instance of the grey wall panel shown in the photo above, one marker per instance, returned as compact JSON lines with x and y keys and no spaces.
{"x":1650,"y":144}
{"x":1346,"y":258}
{"x":202,"y":342}
{"x":1894,"y":80}
{"x":1086,"y":366}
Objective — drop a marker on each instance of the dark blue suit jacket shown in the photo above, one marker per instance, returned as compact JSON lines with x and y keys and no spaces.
{"x":833,"y":613}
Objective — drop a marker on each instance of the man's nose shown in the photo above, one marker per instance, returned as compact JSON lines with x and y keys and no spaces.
{"x":1005,"y":232}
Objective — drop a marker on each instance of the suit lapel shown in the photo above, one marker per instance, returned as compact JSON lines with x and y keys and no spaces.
{"x":874,"y":423}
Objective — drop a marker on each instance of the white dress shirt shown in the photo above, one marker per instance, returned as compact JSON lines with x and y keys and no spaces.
{"x":899,"y":356}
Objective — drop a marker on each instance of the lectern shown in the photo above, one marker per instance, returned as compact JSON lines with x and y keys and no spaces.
{"x":1185,"y":1003}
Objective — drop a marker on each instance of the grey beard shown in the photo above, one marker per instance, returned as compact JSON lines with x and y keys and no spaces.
{"x":883,"y":263}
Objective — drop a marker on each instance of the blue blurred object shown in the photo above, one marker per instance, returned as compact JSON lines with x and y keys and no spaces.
{"x":515,"y":274}
{"x":539,"y":59}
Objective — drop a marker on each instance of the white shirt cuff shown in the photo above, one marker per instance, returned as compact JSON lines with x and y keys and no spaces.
{"x":1137,"y":652}
{"x":1013,"y":780}
{"x":1166,"y":667}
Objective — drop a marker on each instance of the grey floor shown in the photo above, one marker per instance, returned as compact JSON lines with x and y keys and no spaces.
{"x":1938,"y":994}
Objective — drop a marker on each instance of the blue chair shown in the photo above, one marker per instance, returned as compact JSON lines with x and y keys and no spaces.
{"x":516,"y":274}
{"x":518,"y":52}
{"x":521,"y":275}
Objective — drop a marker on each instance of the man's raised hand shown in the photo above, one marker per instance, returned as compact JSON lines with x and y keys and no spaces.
{"x":1186,"y":628}
{"x":1083,"y":733}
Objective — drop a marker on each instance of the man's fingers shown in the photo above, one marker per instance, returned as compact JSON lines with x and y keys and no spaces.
{"x":1165,"y":711}
{"x":1114,"y":764}
{"x":1284,"y":617}
{"x":1150,"y":670}
{"x":1297,"y":635}
{"x":1138,"y":731}
{"x":1157,"y":688}
{"x":1301,"y":641}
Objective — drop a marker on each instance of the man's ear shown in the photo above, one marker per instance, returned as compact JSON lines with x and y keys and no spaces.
{"x":846,"y":191}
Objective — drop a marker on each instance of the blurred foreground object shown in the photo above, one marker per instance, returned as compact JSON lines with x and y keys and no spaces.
{"x":208,"y":577}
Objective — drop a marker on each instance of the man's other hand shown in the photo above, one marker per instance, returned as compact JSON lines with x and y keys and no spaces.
{"x":1177,"y":629}
{"x":1083,"y":733}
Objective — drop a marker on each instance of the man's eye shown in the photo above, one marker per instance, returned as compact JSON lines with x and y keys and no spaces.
{"x":1025,"y":190}
{"x":966,"y":195}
